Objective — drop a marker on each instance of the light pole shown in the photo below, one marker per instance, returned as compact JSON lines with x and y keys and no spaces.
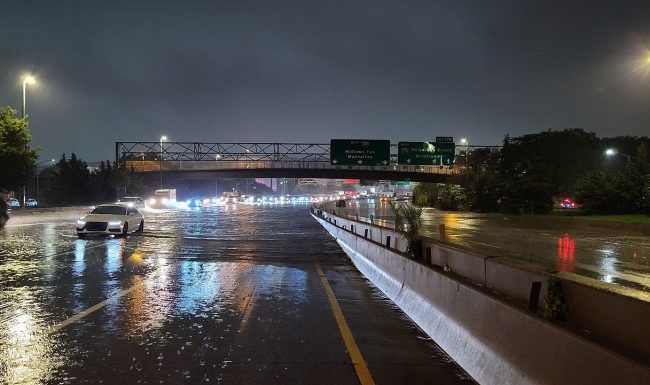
{"x":464,"y":142}
{"x":38,"y":196}
{"x":613,"y":151}
{"x":27,"y":79}
{"x":216,"y":179}
{"x":162,"y":139}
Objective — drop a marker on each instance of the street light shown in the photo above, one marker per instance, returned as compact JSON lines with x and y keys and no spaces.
{"x":613,"y":151}
{"x":27,"y":79}
{"x":38,"y":196}
{"x":162,"y":139}
{"x":464,"y":142}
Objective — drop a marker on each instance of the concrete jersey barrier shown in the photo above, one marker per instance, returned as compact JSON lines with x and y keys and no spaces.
{"x":493,"y":340}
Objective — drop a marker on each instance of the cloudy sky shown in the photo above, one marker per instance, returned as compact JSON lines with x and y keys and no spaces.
{"x":308,"y":71}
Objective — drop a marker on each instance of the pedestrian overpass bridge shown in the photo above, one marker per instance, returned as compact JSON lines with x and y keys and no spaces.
{"x":194,"y":160}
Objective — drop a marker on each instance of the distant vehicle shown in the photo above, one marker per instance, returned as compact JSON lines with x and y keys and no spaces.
{"x":567,"y":203}
{"x":132,"y":201}
{"x":31,"y":202}
{"x":340,"y":203}
{"x":231,"y":197}
{"x":118,"y":219}
{"x":163,"y":198}
{"x":13,"y":202}
{"x":195,"y":202}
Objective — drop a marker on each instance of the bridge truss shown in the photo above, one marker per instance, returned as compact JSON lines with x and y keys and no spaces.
{"x":302,"y":159}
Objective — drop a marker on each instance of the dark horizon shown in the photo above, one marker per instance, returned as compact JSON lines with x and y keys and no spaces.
{"x":310,"y":71}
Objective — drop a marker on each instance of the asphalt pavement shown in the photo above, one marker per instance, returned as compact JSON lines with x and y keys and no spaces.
{"x":228,"y":295}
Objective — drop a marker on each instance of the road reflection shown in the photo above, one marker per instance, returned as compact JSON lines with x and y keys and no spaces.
{"x":28,"y":353}
{"x":610,"y":255}
{"x":566,"y":254}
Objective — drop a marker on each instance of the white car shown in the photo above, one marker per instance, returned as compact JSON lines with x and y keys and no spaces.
{"x":132,"y":201}
{"x":118,"y":219}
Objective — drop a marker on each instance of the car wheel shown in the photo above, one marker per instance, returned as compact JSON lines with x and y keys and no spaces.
{"x":125,"y":229}
{"x":81,"y":235}
{"x":141,"y":228}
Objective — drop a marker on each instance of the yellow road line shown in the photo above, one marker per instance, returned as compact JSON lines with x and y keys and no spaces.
{"x":353,"y":350}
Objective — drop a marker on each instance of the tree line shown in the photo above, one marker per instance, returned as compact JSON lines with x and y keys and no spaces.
{"x":528,"y":174}
{"x":72,"y":182}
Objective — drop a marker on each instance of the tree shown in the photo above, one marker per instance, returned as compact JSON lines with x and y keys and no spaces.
{"x":16,"y":157}
{"x":481,"y":182}
{"x":425,"y":194}
{"x":451,"y":197}
{"x":71,"y":183}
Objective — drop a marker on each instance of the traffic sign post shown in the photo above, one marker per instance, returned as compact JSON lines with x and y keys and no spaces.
{"x":426,"y":153}
{"x":359,"y":152}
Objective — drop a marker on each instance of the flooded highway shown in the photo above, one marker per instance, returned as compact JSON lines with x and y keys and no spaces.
{"x":608,"y":255}
{"x":226,"y":295}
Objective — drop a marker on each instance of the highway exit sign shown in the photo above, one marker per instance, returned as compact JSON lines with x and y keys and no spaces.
{"x":426,"y":153}
{"x":359,"y":152}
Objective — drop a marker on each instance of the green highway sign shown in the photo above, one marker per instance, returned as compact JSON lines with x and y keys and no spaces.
{"x":445,"y":152}
{"x":426,"y":153}
{"x":359,"y":152}
{"x":416,"y":153}
{"x":400,"y":183}
{"x":446,"y":139}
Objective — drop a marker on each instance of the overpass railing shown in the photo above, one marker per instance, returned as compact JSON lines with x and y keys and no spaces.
{"x":180,"y":165}
{"x":193,"y":156}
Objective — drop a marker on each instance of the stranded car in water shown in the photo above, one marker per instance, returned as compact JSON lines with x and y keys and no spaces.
{"x":118,"y":219}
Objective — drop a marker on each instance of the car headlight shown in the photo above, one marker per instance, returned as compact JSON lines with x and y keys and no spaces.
{"x":81,"y":223}
{"x":164,"y":200}
{"x":152,"y":201}
{"x":114,"y":223}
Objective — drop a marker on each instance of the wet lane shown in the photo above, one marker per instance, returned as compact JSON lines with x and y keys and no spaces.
{"x":226,"y":295}
{"x":613,"y":256}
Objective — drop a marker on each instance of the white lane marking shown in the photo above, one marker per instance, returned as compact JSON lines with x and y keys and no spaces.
{"x":92,"y":309}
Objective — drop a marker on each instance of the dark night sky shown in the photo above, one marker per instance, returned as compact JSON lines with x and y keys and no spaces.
{"x":308,"y":71}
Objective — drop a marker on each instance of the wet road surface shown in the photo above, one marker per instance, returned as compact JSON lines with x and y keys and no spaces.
{"x":612,"y":256}
{"x":228,"y":295}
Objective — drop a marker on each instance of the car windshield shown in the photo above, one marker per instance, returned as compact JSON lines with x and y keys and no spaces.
{"x":115,"y":210}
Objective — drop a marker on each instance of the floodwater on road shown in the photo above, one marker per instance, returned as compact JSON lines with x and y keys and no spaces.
{"x":226,"y":295}
{"x":612,"y":256}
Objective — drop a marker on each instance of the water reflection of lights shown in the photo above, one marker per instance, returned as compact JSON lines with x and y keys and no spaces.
{"x":200,"y":284}
{"x":608,"y":266}
{"x":50,"y":238}
{"x":111,"y":287}
{"x":566,"y":254}
{"x":27,"y":349}
{"x":79,"y":264}
{"x":114,"y":249}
